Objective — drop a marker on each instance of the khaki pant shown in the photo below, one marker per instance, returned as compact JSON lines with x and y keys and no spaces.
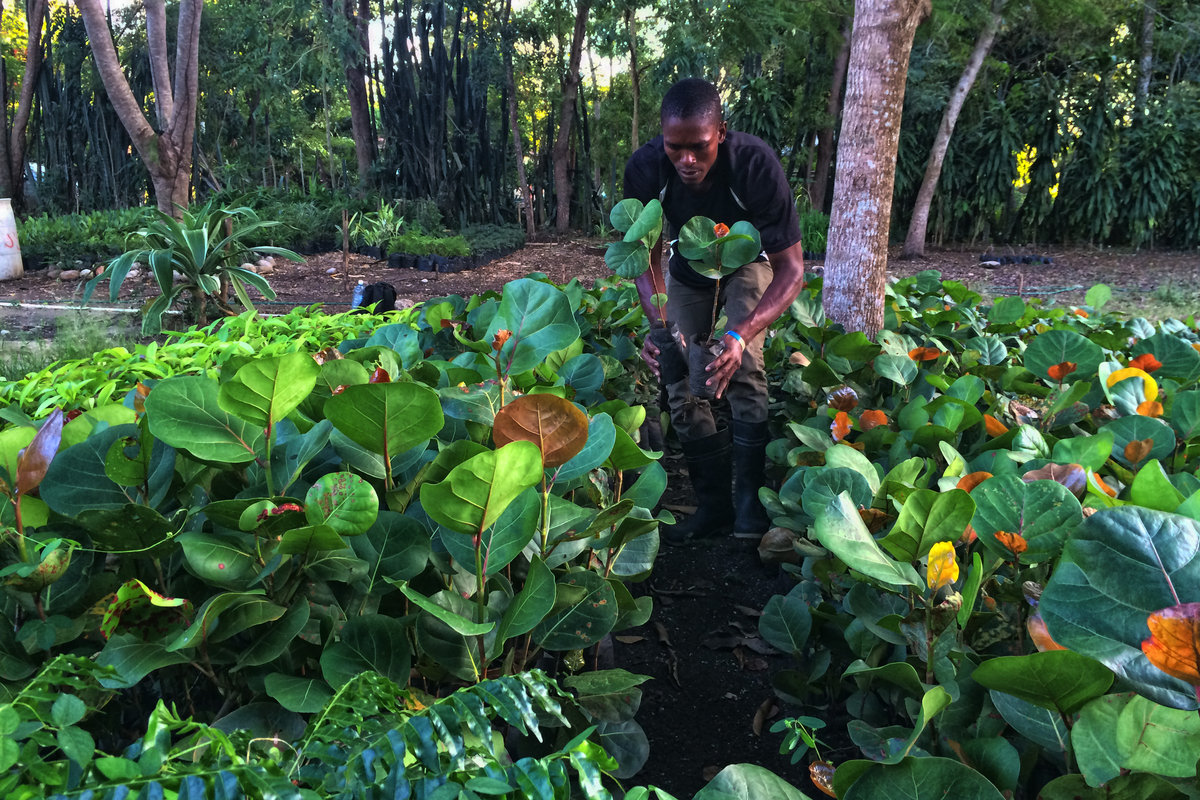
{"x":691,"y":310}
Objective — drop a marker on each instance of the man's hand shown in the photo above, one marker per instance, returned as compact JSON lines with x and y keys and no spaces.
{"x":721,"y":370}
{"x":650,"y":356}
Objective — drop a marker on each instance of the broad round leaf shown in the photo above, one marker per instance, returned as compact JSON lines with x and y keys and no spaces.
{"x":386,"y":418}
{"x":555,"y":425}
{"x":376,"y":643}
{"x":786,"y":623}
{"x":395,"y":547}
{"x":301,"y":695}
{"x":585,"y":612}
{"x":476,"y":492}
{"x":1057,"y":679}
{"x":1043,"y":512}
{"x":647,"y":226}
{"x":501,"y":542}
{"x":1117,"y":570}
{"x":541,"y":319}
{"x":343,"y":501}
{"x":625,"y":213}
{"x":627,"y":259}
{"x":1137,"y":428}
{"x":921,"y":779}
{"x":1178,"y":358}
{"x":841,"y":530}
{"x":1057,"y":346}
{"x":185,"y":413}
{"x":266,"y":390}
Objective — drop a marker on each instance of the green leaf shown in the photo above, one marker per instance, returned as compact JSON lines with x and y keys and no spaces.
{"x":269,"y":644}
{"x":1043,"y":512}
{"x":375,"y":643}
{"x":585,"y":612}
{"x":1159,"y":740}
{"x":77,"y":481}
{"x":608,"y":695}
{"x":1006,"y":311}
{"x":457,"y":622}
{"x":386,"y":418}
{"x":76,"y":744}
{"x":1057,"y":679}
{"x":541,"y":320}
{"x":786,"y":622}
{"x":1179,"y":359}
{"x":221,"y":607}
{"x":647,"y":226}
{"x":1094,"y":738}
{"x":67,"y":709}
{"x":477,"y":491}
{"x":625,"y":213}
{"x":501,"y":542}
{"x":301,"y":695}
{"x":901,"y":370}
{"x":602,"y":435}
{"x":185,"y":413}
{"x":1098,"y":296}
{"x":1135,"y":428}
{"x":1185,"y":414}
{"x":266,"y":390}
{"x":748,"y":782}
{"x":1090,"y":452}
{"x":531,"y":605}
{"x":628,"y":260}
{"x":841,"y":530}
{"x":926,"y":518}
{"x":134,"y":659}
{"x":395,"y":546}
{"x":1151,"y":488}
{"x":919,"y":779}
{"x":222,"y":560}
{"x":343,"y":501}
{"x":1116,"y":570}
{"x":1040,"y":725}
{"x":899,"y":673}
{"x":1056,"y":346}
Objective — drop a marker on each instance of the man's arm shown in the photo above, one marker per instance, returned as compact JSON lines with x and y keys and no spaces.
{"x":786,"y":284}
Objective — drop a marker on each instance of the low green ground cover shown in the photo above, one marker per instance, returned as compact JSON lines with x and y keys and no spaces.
{"x":990,"y":515}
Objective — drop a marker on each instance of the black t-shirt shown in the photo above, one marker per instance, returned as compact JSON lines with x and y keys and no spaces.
{"x":747,"y":184}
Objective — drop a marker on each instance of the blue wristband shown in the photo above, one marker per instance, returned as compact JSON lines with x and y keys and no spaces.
{"x":737,"y":336}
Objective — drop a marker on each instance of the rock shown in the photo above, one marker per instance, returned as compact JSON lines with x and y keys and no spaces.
{"x":79,"y":265}
{"x":133,"y":273}
{"x":331,"y":271}
{"x":54,"y":273}
{"x":989,"y":264}
{"x":267,"y":270}
{"x":177,"y":276}
{"x":405,"y":302}
{"x":86,"y":273}
{"x":69,"y":275}
{"x":265,"y":262}
{"x":248,"y":266}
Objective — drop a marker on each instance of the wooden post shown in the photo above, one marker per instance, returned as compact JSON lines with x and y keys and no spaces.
{"x":345,"y":250}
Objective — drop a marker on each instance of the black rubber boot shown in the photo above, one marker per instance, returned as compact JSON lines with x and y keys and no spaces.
{"x":750,"y":465}
{"x":710,"y":467}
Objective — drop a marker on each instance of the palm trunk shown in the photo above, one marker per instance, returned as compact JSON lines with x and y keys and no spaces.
{"x":914,"y":242}
{"x":856,"y":261}
{"x":562,"y":145}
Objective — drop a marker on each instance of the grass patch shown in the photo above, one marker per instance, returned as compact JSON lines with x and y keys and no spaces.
{"x":70,"y":335}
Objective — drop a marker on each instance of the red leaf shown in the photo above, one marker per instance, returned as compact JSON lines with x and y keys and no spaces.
{"x":380,"y":375}
{"x":969,"y":482}
{"x":1146,"y":362}
{"x":1174,"y":643}
{"x":1039,"y":635}
{"x":1061,"y":370}
{"x":720,"y":229}
{"x":35,"y":459}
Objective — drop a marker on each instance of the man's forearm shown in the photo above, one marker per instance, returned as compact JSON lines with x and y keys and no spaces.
{"x":786,"y":284}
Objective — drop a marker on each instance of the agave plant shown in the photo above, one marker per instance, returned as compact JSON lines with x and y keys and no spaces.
{"x":205,"y":246}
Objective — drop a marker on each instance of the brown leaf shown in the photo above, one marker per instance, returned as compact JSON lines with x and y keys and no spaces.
{"x":630,"y":639}
{"x":756,"y":664}
{"x":554,"y":424}
{"x":710,"y":772}
{"x":663,"y":637}
{"x":1072,"y":476}
{"x":1039,"y":635}
{"x":35,"y":459}
{"x":1174,"y":643}
{"x":766,"y":710}
{"x":843,"y":398}
{"x":798,"y":359}
{"x":872,"y":418}
{"x":821,"y":774}
{"x":1013,"y":542}
{"x":1138,"y":449}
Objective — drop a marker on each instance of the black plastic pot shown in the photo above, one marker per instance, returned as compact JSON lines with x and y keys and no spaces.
{"x":701,"y":352}
{"x":672,"y":358}
{"x":425,"y":263}
{"x":371,"y":252}
{"x":395,"y":260}
{"x":441,"y":263}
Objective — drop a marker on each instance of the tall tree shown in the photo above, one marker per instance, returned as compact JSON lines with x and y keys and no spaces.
{"x":914,"y":242}
{"x":570,"y":94}
{"x":820,"y":184}
{"x":167,"y":153}
{"x":12,"y":146}
{"x":1146,"y":56}
{"x":354,"y":45}
{"x":514,"y":121}
{"x":856,"y":255}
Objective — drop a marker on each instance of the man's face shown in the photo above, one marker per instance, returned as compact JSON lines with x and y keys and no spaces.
{"x":691,"y":144}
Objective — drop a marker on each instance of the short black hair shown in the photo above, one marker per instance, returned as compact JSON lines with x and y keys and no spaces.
{"x":692,"y":98}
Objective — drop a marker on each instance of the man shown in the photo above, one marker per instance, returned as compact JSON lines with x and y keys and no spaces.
{"x":698,"y":167}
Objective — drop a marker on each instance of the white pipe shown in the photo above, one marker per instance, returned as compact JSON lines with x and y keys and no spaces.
{"x":54,"y":307}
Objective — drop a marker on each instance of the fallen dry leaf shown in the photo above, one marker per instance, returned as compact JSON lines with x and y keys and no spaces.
{"x":630,"y":639}
{"x":765,"y":711}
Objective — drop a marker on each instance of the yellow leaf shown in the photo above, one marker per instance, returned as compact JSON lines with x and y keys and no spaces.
{"x":942,"y":569}
{"x":1149,"y":385}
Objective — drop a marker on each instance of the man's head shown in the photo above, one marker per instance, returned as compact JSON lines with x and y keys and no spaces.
{"x":693,"y":128}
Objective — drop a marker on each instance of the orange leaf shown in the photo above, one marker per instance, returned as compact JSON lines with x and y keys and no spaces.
{"x":1079,"y":312}
{"x":1174,"y":643}
{"x":843,"y":398}
{"x":1104,"y":487}
{"x":1150,"y":408}
{"x":500,"y":338}
{"x":942,"y":569}
{"x":874,"y":518}
{"x":840,"y":427}
{"x":821,"y":774}
{"x":1036,"y":626}
{"x":1014,"y":542}
{"x":720,"y":229}
{"x":924,"y":353}
{"x":994,"y":426}
{"x":969,"y":535}
{"x":554,"y":424}
{"x":872,"y":418}
{"x":1138,"y":449}
{"x":1061,"y":370}
{"x":969,"y":482}
{"x":1146,"y":362}
{"x":34,"y":460}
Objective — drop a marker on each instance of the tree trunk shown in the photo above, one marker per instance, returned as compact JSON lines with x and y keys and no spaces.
{"x":514,"y":122}
{"x":1146,"y":62}
{"x":167,"y":155}
{"x":820,"y":184}
{"x":12,"y":160}
{"x":356,"y":88}
{"x":562,"y":145}
{"x":856,"y":258}
{"x":914,"y":242}
{"x":635,"y":82}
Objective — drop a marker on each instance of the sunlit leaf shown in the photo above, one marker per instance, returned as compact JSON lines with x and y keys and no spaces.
{"x":1150,"y":408}
{"x":1035,"y":626}
{"x":942,"y":569}
{"x":1149,"y":385}
{"x":840,"y":427}
{"x":36,"y":457}
{"x":971,"y":480}
{"x":1013,"y":542}
{"x":843,"y":398}
{"x":1061,"y":370}
{"x":924,"y":353}
{"x":1146,"y":362}
{"x":1071,"y":476}
{"x":1174,"y":643}
{"x":994,"y":426}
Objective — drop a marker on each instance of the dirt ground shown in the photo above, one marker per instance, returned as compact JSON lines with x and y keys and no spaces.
{"x":710,"y":701}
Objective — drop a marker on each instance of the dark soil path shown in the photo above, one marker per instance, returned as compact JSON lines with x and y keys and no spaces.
{"x":710,"y":702}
